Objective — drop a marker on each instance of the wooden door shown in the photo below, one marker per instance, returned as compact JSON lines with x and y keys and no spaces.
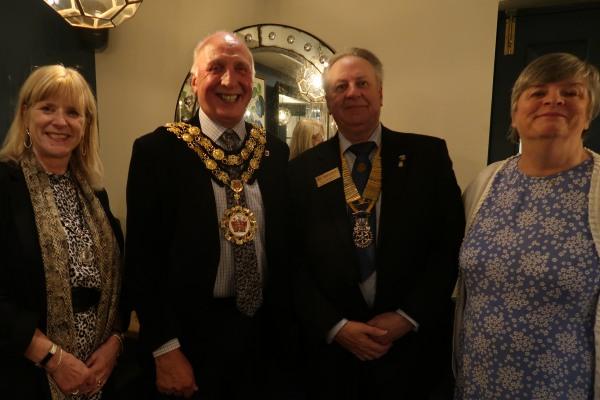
{"x":574,"y":30}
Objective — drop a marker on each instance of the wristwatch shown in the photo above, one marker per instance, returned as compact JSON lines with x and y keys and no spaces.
{"x":52,"y":351}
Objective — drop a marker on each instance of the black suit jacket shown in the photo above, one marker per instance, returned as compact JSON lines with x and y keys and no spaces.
{"x":420,"y":230}
{"x":23,"y":286}
{"x":173,"y":235}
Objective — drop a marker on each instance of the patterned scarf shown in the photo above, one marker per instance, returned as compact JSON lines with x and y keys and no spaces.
{"x":55,"y":256}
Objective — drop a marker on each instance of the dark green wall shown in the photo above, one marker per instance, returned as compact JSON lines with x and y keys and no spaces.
{"x":32,"y":34}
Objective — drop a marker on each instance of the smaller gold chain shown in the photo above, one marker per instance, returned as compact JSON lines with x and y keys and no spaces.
{"x":372,"y":190}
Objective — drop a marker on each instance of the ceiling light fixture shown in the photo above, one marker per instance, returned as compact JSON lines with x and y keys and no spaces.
{"x":310,"y":84}
{"x":95,"y":14}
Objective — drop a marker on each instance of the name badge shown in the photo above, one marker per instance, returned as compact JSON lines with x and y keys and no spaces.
{"x":327,"y":177}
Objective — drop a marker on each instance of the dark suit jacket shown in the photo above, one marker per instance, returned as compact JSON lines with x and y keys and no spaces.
{"x":23,"y":286}
{"x":420,"y":230}
{"x":173,"y":235}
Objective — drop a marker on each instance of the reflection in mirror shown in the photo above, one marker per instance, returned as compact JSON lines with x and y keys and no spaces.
{"x":287,"y":86}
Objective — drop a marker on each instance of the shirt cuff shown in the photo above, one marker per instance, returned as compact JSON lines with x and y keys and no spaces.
{"x":412,"y":321}
{"x":334,"y":331}
{"x":167,"y":347}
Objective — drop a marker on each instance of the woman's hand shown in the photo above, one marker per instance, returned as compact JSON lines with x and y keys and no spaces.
{"x":103,"y":360}
{"x":72,"y":376}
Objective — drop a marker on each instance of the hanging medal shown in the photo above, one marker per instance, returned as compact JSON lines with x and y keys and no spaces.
{"x":362,"y":206}
{"x":238,"y":223}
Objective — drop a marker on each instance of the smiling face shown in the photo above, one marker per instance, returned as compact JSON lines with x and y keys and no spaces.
{"x":56,"y":128}
{"x":354,"y":97}
{"x":552,"y":110}
{"x":223,"y":79}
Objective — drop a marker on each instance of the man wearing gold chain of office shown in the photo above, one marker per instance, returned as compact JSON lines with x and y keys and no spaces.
{"x":206,"y":235}
{"x":379,"y":223}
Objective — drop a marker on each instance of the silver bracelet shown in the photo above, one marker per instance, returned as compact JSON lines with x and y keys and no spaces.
{"x":121,"y":338}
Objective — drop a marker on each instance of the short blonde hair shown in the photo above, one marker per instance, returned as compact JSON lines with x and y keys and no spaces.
{"x":67,"y":83}
{"x":556,"y":67}
{"x":304,"y":131}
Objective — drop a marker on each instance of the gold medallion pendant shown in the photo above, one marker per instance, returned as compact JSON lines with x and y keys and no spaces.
{"x":238,"y":225}
{"x":362,"y":204}
{"x":361,"y":233}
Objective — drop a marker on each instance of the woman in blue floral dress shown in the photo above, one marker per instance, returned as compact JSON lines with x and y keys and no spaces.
{"x":529,"y":265}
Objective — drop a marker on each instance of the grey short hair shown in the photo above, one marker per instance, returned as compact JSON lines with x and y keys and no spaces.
{"x":556,"y":67}
{"x":356,"y":52}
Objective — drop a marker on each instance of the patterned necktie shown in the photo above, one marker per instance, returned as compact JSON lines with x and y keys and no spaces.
{"x":248,"y":286}
{"x":360,"y":175}
{"x":230,"y":140}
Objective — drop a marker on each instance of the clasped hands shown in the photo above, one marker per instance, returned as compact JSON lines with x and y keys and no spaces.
{"x":371,"y":340}
{"x":73,"y":376}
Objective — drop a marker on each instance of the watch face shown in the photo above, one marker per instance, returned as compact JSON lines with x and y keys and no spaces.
{"x":51,"y":351}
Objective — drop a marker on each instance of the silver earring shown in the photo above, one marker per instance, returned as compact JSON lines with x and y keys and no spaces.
{"x":82,"y":150}
{"x":27,"y":141}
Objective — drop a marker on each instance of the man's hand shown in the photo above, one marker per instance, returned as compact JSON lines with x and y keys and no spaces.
{"x":358,"y":338}
{"x":395,"y":325}
{"x":174,"y":374}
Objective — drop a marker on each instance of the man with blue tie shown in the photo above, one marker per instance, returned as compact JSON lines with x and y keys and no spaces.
{"x":379,"y":222}
{"x":205,"y":236}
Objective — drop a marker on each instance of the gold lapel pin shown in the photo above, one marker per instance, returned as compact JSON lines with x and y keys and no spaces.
{"x":401,"y":159}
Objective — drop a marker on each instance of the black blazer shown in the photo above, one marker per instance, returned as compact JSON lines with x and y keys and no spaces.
{"x":23,"y":286}
{"x":420,"y":230}
{"x":173,"y":246}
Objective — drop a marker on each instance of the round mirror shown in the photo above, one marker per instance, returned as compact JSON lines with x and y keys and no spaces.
{"x":287,"y":84}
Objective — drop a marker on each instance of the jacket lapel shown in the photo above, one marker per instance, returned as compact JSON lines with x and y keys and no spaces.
{"x":395,"y":162}
{"x":200,"y":187}
{"x":266,"y":179}
{"x":332,"y":198}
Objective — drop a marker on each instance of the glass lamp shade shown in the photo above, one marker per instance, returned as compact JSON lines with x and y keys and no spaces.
{"x":310,"y":84}
{"x":95,"y":14}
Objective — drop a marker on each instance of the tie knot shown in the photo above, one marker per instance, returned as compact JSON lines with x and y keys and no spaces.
{"x":362,"y":149}
{"x":230,"y":140}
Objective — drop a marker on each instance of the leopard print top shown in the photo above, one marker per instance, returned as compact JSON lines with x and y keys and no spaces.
{"x":83,"y":270}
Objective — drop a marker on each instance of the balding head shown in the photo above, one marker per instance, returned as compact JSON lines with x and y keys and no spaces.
{"x":229,"y":38}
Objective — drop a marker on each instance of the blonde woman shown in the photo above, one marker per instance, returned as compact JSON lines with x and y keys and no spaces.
{"x":61,"y":247}
{"x":307,"y":133}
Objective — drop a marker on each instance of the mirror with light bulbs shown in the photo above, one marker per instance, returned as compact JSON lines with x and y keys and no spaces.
{"x":288,"y":85}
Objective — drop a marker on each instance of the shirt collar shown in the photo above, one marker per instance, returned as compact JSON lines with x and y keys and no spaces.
{"x":214,"y":130}
{"x":375,"y":137}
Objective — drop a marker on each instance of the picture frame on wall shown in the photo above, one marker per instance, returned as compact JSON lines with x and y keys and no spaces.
{"x":256,"y":111}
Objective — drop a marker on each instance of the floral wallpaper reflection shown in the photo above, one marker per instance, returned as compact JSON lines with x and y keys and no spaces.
{"x":255,"y":113}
